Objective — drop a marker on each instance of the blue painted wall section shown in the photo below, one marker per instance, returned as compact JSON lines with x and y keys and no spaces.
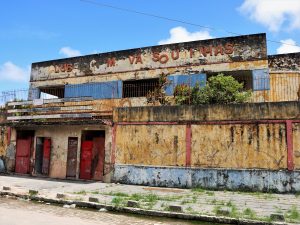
{"x":190,"y":80}
{"x":261,"y":79}
{"x":245,"y":179}
{"x":103,"y":90}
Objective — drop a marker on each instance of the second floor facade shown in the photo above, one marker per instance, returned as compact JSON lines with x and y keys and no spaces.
{"x":91,"y":86}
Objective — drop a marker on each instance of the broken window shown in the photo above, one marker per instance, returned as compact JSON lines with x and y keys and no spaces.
{"x":139,"y":88}
{"x":52,"y":92}
{"x":244,"y":77}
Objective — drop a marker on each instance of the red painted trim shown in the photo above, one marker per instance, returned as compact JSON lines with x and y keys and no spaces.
{"x":113,"y":144}
{"x":208,"y":122}
{"x":8,"y":135}
{"x":148,"y":123}
{"x":188,"y":141}
{"x":289,"y":140}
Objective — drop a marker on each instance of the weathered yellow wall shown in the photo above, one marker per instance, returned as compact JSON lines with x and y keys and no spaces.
{"x":3,"y":140}
{"x":284,"y":86}
{"x":296,"y":145}
{"x":251,"y":111}
{"x":239,"y":146}
{"x":218,"y":146}
{"x":159,"y":145}
{"x":232,"y":145}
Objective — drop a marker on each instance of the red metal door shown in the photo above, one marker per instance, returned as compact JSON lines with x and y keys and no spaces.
{"x":86,"y":160}
{"x":98,"y":158}
{"x":46,"y":156}
{"x":72,"y":156}
{"x":23,"y":155}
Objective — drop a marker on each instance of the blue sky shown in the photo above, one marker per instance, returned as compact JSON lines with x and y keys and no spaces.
{"x":39,"y":30}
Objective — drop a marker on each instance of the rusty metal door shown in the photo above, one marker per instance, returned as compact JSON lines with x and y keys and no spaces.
{"x":72,"y":156}
{"x":23,"y":155}
{"x":98,"y":158}
{"x":86,"y":160}
{"x":46,"y":156}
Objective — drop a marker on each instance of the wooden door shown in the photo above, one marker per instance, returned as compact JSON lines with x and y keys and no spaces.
{"x":46,"y":156}
{"x":39,"y":155}
{"x":98,"y":158}
{"x":86,"y":160}
{"x":72,"y":156}
{"x":23,"y":155}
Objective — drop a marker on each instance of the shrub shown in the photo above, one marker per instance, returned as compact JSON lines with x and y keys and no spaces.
{"x":219,"y":89}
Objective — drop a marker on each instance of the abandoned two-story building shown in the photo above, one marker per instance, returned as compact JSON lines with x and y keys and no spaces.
{"x":98,"y":125}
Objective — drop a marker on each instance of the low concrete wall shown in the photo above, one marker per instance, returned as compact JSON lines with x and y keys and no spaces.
{"x":183,"y":177}
{"x":238,"y":146}
{"x":250,"y":111}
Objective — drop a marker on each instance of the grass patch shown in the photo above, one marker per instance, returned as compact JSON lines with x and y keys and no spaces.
{"x":144,"y":197}
{"x":216,"y":209}
{"x":82,"y":192}
{"x":198,"y":190}
{"x":118,"y":194}
{"x":230,"y":204}
{"x":293,"y":214}
{"x":278,"y":209}
{"x":249,"y":213}
{"x":190,"y":210}
{"x":261,"y":195}
{"x":170,"y":198}
{"x":214,"y":201}
{"x":117,"y":201}
{"x":186,"y":201}
{"x":233,"y":211}
{"x":210,"y":193}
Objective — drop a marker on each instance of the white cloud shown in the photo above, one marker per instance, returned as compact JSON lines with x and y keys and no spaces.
{"x":180,"y":34}
{"x":288,"y":46}
{"x":69,"y":52}
{"x":274,"y":14}
{"x":11,"y":72}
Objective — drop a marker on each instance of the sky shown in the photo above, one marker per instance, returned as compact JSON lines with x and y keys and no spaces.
{"x":41,"y":30}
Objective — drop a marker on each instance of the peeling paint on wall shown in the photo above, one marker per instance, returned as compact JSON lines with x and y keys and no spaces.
{"x":250,"y":111}
{"x":284,"y":62}
{"x":151,"y":145}
{"x":296,"y":145}
{"x":216,"y":179}
{"x":205,"y":52}
{"x":239,"y":146}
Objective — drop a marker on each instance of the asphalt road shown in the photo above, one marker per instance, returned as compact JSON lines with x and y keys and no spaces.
{"x":21,"y":212}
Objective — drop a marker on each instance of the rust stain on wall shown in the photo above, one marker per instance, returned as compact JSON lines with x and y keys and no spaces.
{"x":239,"y":146}
{"x":151,"y":145}
{"x":296,"y":145}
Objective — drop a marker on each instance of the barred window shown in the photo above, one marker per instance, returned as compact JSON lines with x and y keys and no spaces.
{"x":139,"y":88}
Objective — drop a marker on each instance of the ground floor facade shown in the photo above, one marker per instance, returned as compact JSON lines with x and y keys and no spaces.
{"x":252,"y":146}
{"x":57,"y":151}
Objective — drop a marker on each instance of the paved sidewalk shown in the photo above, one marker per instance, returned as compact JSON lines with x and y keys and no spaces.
{"x":258,"y":206}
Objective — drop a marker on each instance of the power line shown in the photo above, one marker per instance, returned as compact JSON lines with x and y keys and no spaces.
{"x":173,"y":20}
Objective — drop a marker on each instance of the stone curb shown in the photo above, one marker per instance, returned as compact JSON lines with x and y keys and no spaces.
{"x":184,"y":216}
